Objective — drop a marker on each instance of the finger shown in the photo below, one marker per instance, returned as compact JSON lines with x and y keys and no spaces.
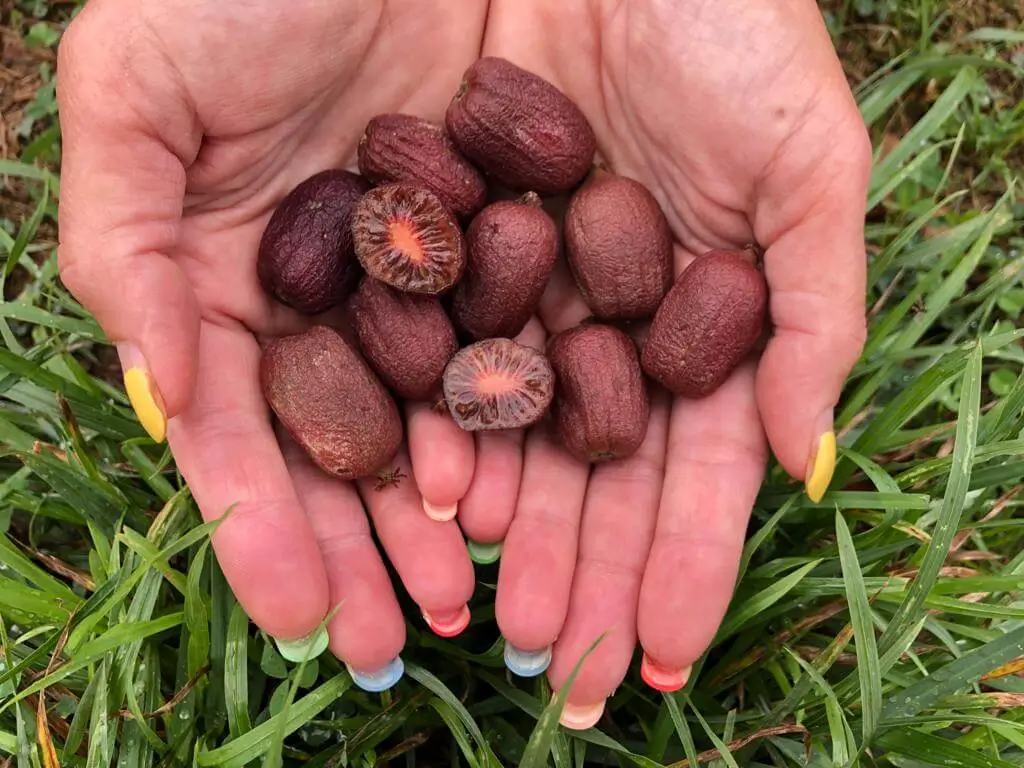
{"x":561,"y":305}
{"x":367,"y":630}
{"x":487,"y":509}
{"x":442,"y":459}
{"x":127,"y":135}
{"x":430,"y":556}
{"x":539,"y":553}
{"x":225,"y":447}
{"x":619,"y":516}
{"x":815,"y":264}
{"x":714,"y":466}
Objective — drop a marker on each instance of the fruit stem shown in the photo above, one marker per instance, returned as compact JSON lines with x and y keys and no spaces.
{"x":598,"y":169}
{"x":531,"y":199}
{"x":754,"y":252}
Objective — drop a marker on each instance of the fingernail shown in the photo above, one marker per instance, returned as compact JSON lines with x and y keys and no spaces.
{"x":142,"y":392}
{"x":448,"y":624}
{"x":820,"y":467}
{"x":579,"y":718}
{"x":440,"y":514}
{"x":382,"y":679}
{"x":661,"y":678}
{"x":527,"y":663}
{"x":304,"y":648}
{"x":483,"y":554}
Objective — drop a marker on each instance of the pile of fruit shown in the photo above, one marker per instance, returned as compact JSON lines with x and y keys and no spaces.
{"x":439,"y":250}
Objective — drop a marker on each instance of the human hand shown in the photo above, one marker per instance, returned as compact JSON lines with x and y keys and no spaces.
{"x":736,"y":115}
{"x":184,"y":122}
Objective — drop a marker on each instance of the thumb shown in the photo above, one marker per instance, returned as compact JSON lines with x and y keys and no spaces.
{"x":123,"y":186}
{"x":815,"y":264}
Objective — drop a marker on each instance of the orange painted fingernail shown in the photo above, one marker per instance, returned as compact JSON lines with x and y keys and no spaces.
{"x":448,"y":624}
{"x":142,"y":392}
{"x":661,"y":678}
{"x":578,"y":717}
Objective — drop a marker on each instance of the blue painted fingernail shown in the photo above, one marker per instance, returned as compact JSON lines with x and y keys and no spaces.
{"x":304,"y":648}
{"x":382,"y":679}
{"x":483,"y":554}
{"x":527,"y":663}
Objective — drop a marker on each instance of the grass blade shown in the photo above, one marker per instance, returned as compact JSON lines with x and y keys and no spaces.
{"x":257,"y":742}
{"x":539,"y":746}
{"x":440,"y":690}
{"x":955,"y":676}
{"x":936,"y":751}
{"x":912,"y":607}
{"x":737,"y":619}
{"x":868,"y":670}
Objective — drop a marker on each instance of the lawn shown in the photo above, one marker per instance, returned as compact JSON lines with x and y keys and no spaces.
{"x":883,"y":626}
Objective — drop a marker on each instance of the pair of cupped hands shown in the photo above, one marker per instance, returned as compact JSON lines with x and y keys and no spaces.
{"x":186,"y":121}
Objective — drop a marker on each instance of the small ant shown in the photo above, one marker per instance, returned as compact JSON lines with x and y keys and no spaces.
{"x":389,"y":477}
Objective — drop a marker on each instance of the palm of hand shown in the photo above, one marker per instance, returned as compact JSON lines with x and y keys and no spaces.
{"x":732,"y":142}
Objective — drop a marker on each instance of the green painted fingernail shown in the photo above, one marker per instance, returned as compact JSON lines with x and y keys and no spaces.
{"x":483,"y":554}
{"x":304,"y":648}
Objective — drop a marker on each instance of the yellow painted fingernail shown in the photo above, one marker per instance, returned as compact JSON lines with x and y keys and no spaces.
{"x":821,"y":466}
{"x":143,"y":392}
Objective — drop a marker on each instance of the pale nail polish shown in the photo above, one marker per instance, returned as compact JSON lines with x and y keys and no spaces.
{"x":483,"y":554}
{"x":304,"y":648}
{"x":448,"y":624}
{"x":142,"y":391}
{"x":662,"y":678}
{"x":580,"y":717}
{"x":440,"y":514}
{"x":527,"y":663}
{"x":381,"y":679}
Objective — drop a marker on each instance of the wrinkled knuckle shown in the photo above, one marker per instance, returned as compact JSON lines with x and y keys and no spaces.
{"x":87,"y":35}
{"x":640,"y":469}
{"x":620,"y":569}
{"x":72,"y":274}
{"x":849,"y":339}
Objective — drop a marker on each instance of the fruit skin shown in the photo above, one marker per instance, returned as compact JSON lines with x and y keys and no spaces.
{"x":524,"y":367}
{"x":418,"y":214}
{"x":519,"y":128}
{"x":512,"y":247}
{"x":711,"y":318}
{"x":305,"y":258}
{"x":330,"y":402}
{"x":601,"y":406}
{"x":618,"y":246}
{"x":404,"y":148}
{"x":407,"y":339}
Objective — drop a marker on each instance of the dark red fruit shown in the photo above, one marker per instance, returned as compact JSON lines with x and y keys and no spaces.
{"x":519,"y":128}
{"x":712,"y":317}
{"x":407,"y":339}
{"x":512,"y":248}
{"x":406,"y":148}
{"x":601,"y":405}
{"x":331,"y":403}
{"x":619,"y":247}
{"x":498,"y":384}
{"x":405,"y":237}
{"x":306,"y":259}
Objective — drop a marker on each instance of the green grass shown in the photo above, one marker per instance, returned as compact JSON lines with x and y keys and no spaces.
{"x":883,"y":626}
